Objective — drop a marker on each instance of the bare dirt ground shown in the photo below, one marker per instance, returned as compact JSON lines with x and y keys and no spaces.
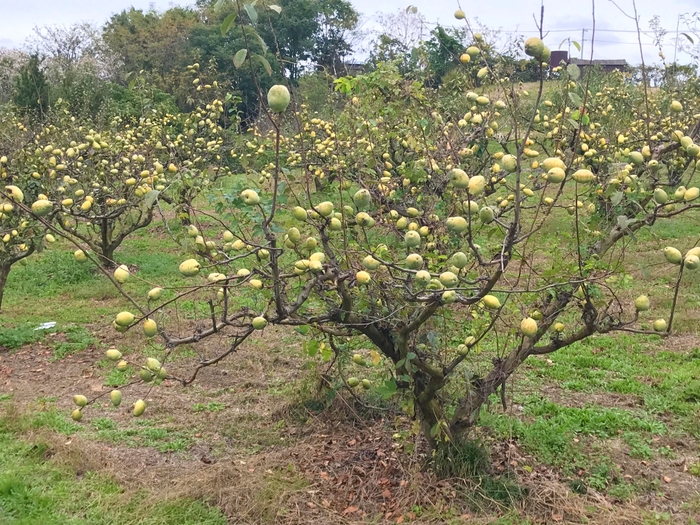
{"x":265,"y":458}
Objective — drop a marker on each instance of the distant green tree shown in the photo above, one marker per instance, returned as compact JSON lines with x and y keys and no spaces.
{"x":388,"y":49}
{"x":31,"y":88}
{"x":442,"y":50}
{"x":337,"y":18}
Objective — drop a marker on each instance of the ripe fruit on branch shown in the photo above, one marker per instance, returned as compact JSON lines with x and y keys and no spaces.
{"x":509,"y":163}
{"x":113,"y":354}
{"x":363,"y":277}
{"x":362,"y":199}
{"x":449,"y":279}
{"x":641,"y":303}
{"x":660,"y":325}
{"x":583,"y":176}
{"x":491,"y":302}
{"x":278,"y":98}
{"x":459,"y":260}
{"x":259,"y":323}
{"x":556,"y":175}
{"x":534,"y":47}
{"x":121,"y":274}
{"x":150,"y":328}
{"x":459,"y":178}
{"x":414,"y":261}
{"x":412,"y":238}
{"x":124,"y":319}
{"x":79,"y":400}
{"x":456,"y":224}
{"x":80,"y":256}
{"x":672,"y":255}
{"x":476,"y":185}
{"x":190,"y":267}
{"x":422,"y":278}
{"x":250,"y":197}
{"x":691,"y":262}
{"x":115,"y":396}
{"x":325,"y":209}
{"x":42,"y":207}
{"x":528,"y":327}
{"x":14,"y":193}
{"x":139,"y":407}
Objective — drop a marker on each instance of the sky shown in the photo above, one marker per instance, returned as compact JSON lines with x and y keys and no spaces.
{"x":564,"y":19}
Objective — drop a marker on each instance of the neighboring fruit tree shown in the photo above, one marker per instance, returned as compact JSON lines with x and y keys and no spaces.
{"x":20,"y":232}
{"x":419,"y":230}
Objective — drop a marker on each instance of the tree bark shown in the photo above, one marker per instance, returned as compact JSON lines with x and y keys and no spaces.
{"x":4,"y":272}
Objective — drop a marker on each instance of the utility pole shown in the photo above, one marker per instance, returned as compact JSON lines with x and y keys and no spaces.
{"x":675,"y":47}
{"x":583,"y":40}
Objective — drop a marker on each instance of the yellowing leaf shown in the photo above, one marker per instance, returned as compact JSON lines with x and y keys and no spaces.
{"x":375,"y":357}
{"x":239,"y":57}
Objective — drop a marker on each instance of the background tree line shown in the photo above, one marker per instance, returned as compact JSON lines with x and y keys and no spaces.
{"x":95,"y":70}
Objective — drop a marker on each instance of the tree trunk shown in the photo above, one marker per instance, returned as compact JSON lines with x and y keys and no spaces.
{"x":4,"y":272}
{"x":107,"y":257}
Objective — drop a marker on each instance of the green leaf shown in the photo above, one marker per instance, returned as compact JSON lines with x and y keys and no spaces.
{"x":151,"y":197}
{"x":312,"y":347}
{"x":410,"y":356}
{"x":274,"y":7}
{"x":326,"y":353}
{"x":227,"y":23}
{"x":574,"y":71}
{"x":576,"y":45}
{"x":575,"y":99}
{"x":263,"y":44}
{"x":264,"y":62}
{"x":387,"y":389}
{"x":303,"y":329}
{"x":688,"y":37}
{"x":218,"y":5}
{"x":616,"y":198}
{"x":252,"y":13}
{"x":239,"y":57}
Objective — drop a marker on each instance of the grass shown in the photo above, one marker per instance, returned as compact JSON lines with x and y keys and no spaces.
{"x":579,"y":405}
{"x":144,"y":434}
{"x":78,"y":338}
{"x":36,"y":489}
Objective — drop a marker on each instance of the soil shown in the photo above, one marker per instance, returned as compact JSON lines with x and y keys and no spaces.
{"x":264,"y":458}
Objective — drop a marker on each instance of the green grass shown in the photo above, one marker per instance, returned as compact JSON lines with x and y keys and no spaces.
{"x":35,"y":490}
{"x":144,"y":434}
{"x":78,"y":339}
{"x":14,"y":337}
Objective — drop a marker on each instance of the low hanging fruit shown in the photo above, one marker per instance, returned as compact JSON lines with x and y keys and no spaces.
{"x":641,"y":303}
{"x":80,"y":400}
{"x":672,"y":255}
{"x":115,"y":396}
{"x":139,"y":407}
{"x":121,"y":274}
{"x":189,"y":268}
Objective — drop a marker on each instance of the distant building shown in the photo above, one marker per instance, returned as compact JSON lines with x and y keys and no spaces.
{"x":354,"y":69}
{"x":617,"y":64}
{"x":606,"y":65}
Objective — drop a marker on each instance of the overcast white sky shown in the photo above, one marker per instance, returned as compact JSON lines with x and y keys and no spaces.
{"x":564,"y":18}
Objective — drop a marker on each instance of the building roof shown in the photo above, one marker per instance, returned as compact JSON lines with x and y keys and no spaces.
{"x":595,"y":62}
